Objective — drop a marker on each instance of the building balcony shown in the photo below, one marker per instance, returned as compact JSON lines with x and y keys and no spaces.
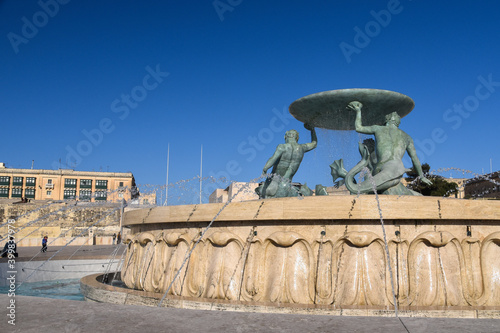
{"x":49,"y":186}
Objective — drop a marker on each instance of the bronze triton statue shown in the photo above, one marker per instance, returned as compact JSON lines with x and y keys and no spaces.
{"x":285,"y":162}
{"x":386,"y":167}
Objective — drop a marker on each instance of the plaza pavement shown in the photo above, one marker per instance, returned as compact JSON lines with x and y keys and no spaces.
{"x":36,"y":314}
{"x":65,"y":253}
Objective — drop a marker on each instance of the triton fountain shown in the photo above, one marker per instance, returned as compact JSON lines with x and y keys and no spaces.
{"x":360,"y":254}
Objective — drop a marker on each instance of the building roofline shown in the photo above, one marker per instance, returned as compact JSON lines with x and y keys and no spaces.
{"x":66,"y":172}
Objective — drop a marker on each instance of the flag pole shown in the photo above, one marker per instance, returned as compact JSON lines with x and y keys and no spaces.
{"x":166,"y":185}
{"x":201,"y":169}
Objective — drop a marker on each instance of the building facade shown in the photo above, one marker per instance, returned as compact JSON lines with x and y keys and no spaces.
{"x":236,"y":191}
{"x":486,"y":186}
{"x":66,"y":184}
{"x":146,"y":199}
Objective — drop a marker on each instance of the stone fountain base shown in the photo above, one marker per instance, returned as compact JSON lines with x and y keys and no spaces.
{"x":96,"y":291}
{"x":324,"y":255}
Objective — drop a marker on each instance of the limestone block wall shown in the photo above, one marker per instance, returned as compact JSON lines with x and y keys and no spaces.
{"x":63,"y":220}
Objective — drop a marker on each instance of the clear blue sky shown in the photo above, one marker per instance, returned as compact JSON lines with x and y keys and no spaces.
{"x":116,"y":82}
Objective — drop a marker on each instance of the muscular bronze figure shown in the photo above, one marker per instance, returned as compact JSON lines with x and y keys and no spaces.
{"x":391,"y":145}
{"x":285,"y":163}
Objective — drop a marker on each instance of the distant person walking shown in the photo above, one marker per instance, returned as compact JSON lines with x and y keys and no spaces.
{"x":44,"y":243}
{"x":114,"y":239}
{"x":119,"y":238}
{"x":10,"y":248}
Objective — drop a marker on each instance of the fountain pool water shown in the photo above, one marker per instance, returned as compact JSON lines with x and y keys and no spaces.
{"x":60,"y":289}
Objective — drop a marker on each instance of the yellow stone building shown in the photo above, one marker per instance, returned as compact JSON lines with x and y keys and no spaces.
{"x":66,"y":184}
{"x":236,"y":191}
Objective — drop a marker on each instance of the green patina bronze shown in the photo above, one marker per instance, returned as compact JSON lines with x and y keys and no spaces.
{"x":383,"y":160}
{"x":327,"y":109}
{"x":285,"y":163}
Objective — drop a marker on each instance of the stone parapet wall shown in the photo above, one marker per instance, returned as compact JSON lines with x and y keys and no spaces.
{"x":323,"y":208}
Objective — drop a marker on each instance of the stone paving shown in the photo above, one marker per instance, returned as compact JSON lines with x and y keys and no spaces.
{"x":35,"y":314}
{"x":84,"y":252}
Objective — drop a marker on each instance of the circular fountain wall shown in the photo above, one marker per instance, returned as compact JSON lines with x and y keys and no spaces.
{"x":327,"y":252}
